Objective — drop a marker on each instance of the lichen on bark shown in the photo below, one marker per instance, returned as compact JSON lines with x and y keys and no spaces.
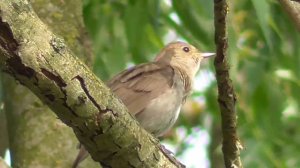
{"x":37,"y":137}
{"x":41,"y":61}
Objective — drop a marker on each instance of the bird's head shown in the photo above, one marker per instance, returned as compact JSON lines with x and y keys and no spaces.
{"x":183,"y":56}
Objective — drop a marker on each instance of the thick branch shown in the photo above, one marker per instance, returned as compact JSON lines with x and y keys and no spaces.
{"x":292,"y":7}
{"x":27,"y":115}
{"x":227,"y":98}
{"x":41,"y":61}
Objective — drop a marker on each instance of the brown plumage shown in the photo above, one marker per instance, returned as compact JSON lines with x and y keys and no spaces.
{"x":154,"y":92}
{"x":137,"y":87}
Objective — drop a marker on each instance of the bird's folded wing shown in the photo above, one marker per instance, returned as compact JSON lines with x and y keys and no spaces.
{"x":137,"y":86}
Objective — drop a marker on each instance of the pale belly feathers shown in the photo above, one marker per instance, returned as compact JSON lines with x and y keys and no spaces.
{"x":162,"y":112}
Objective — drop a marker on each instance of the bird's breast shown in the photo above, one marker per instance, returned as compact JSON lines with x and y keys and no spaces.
{"x":162,"y":112}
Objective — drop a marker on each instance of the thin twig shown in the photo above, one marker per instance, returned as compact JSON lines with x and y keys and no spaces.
{"x":227,"y":99}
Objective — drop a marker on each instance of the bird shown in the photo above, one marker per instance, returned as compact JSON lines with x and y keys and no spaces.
{"x":154,"y":92}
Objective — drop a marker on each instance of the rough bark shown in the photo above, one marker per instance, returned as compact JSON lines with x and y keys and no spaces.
{"x":32,"y":142}
{"x":292,"y":7}
{"x":41,"y":61}
{"x":37,"y":137}
{"x":226,"y":98}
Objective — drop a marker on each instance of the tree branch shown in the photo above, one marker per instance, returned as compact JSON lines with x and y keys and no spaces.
{"x":27,"y":115}
{"x":292,"y":7}
{"x":227,"y":99}
{"x":42,"y":62}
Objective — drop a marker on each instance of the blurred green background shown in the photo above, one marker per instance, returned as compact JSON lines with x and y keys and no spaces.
{"x":264,"y":53}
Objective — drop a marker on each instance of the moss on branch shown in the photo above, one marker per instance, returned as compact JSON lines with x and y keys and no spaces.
{"x":41,"y":61}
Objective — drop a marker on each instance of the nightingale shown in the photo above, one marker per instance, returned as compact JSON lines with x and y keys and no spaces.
{"x":154,"y":92}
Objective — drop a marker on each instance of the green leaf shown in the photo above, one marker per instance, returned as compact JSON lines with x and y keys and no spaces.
{"x":262,"y":9}
{"x":135,"y":23}
{"x":191,"y":23}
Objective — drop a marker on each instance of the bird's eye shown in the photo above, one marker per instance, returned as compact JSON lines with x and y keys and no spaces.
{"x":186,"y":49}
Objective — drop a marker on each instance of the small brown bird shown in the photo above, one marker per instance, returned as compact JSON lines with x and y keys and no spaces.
{"x":154,"y":92}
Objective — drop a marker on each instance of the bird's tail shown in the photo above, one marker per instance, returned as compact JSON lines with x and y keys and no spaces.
{"x":83,"y":153}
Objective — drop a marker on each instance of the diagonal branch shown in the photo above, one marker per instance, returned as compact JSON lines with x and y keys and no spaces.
{"x":27,"y":115}
{"x":41,"y":61}
{"x":227,"y":99}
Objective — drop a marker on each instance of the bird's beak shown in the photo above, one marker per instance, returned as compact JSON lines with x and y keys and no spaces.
{"x":206,"y":55}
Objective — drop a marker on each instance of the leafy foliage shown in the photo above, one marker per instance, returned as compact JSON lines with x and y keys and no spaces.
{"x":264,"y":56}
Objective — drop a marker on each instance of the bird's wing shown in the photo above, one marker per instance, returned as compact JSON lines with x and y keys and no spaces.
{"x":137,"y":86}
